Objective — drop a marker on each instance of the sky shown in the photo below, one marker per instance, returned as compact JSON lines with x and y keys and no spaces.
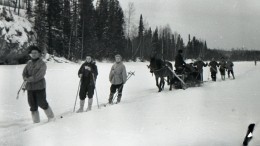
{"x":224,"y":24}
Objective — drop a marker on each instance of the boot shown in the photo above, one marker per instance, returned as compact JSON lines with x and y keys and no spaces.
{"x":49,"y":114}
{"x":110,"y":100}
{"x":90,"y":101}
{"x":118,"y":98}
{"x":35,"y":116}
{"x":81,"y":108}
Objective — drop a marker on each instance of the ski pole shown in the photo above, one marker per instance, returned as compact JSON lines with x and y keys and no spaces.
{"x":208,"y":73}
{"x":128,"y":77}
{"x":23,"y":84}
{"x":77,"y":95}
{"x":95,"y":90}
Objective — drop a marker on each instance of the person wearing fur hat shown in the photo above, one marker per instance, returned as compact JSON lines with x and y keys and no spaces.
{"x":213,"y":69}
{"x":117,"y":77}
{"x":230,"y":66}
{"x":222,"y":68}
{"x":88,"y":73}
{"x":179,"y":62}
{"x":33,"y":75}
{"x":200,"y":64}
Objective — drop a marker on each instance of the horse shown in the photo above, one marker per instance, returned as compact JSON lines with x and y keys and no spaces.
{"x":161,"y":69}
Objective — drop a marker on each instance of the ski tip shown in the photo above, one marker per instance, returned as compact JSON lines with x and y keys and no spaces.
{"x":249,"y":134}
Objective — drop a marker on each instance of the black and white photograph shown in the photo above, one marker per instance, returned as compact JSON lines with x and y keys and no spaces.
{"x":129,"y":72}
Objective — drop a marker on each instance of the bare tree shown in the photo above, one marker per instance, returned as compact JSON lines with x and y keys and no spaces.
{"x":129,"y":17}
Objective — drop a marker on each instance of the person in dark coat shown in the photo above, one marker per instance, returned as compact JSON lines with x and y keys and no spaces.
{"x":222,"y":68}
{"x":200,"y":64}
{"x":179,"y":62}
{"x":230,"y":66}
{"x":88,"y":74}
{"x":213,"y":69}
{"x":33,"y":75}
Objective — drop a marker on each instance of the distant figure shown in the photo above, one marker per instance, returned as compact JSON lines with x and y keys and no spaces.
{"x":213,"y":69}
{"x":230,"y":68}
{"x":179,"y":62}
{"x":255,"y":62}
{"x":200,"y":64}
{"x":222,"y":68}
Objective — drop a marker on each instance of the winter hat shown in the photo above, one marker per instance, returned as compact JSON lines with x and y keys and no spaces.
{"x":118,"y":55}
{"x":89,"y":55}
{"x":32,"y":47}
{"x":179,"y":51}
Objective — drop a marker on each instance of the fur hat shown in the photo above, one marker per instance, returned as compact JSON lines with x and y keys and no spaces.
{"x":32,"y":47}
{"x":118,"y":55}
{"x":89,"y":55}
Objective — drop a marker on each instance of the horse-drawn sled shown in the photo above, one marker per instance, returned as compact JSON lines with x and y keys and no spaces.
{"x":183,"y":78}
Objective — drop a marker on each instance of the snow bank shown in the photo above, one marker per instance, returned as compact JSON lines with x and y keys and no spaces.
{"x":216,"y":114}
{"x":54,"y":59}
{"x":14,"y":28}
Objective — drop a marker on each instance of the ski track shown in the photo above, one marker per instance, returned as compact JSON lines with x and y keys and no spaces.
{"x":18,"y":117}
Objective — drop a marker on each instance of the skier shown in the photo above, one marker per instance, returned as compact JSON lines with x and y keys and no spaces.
{"x":200,"y":64}
{"x":222,"y":68}
{"x":88,"y":74}
{"x":117,"y":77}
{"x":33,"y":75}
{"x":213,"y":69}
{"x":179,"y":62}
{"x":230,"y":68}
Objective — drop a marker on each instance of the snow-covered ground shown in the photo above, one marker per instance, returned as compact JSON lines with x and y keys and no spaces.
{"x":216,"y":114}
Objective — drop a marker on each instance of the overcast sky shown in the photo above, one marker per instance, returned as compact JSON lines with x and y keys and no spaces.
{"x":223,"y":23}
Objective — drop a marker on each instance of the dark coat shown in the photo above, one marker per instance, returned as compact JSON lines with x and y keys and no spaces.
{"x":179,"y":62}
{"x":88,"y":70}
{"x":213,"y":66}
{"x":200,"y":64}
{"x":230,"y":65}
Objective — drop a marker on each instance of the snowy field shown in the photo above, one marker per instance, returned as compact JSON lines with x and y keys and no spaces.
{"x":216,"y":114}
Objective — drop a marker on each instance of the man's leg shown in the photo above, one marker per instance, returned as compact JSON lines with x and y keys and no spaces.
{"x":33,"y":106}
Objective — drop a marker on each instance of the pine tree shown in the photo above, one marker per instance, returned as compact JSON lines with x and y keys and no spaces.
{"x":86,"y":27}
{"x":101,"y":27}
{"x":29,"y":8}
{"x":67,"y":32}
{"x":140,"y":36}
{"x":54,"y":27}
{"x":155,"y":42}
{"x":40,"y":25}
{"x":74,"y":42}
{"x":116,"y":36}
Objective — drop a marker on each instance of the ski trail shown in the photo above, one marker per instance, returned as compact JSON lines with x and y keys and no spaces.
{"x":28,"y":125}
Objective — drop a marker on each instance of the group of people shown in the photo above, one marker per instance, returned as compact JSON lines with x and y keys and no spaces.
{"x":35,"y":84}
{"x":213,"y":64}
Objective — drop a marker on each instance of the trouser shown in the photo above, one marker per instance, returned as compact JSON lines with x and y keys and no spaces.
{"x":37,"y":98}
{"x":222,"y":71}
{"x":201,"y":76}
{"x":214,"y":76}
{"x":86,"y":90}
{"x":113,"y":89}
{"x":232,"y":72}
